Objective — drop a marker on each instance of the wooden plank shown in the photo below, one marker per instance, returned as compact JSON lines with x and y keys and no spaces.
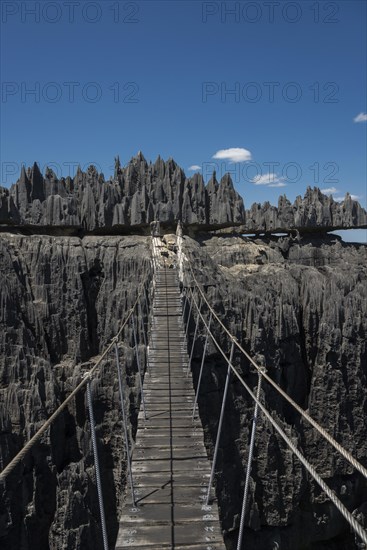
{"x":170,"y":467}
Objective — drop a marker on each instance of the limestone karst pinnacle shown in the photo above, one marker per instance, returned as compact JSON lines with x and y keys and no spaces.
{"x":141,"y":192}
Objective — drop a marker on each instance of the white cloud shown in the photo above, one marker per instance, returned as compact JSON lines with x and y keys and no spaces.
{"x":353,"y":197}
{"x":330,"y":190}
{"x":271,"y":179}
{"x":362,"y":117}
{"x":235,"y":154}
{"x":195,"y":167}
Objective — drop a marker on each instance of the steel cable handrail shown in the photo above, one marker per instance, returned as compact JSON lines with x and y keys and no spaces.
{"x":85,"y":379}
{"x":346,"y":454}
{"x":356,"y":526}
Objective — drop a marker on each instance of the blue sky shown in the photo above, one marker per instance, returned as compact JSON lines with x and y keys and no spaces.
{"x":117,"y":77}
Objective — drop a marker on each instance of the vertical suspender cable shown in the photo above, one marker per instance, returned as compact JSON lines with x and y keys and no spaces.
{"x":139,"y":369}
{"x":144,"y":335}
{"x":96,"y":466}
{"x":249,"y":462}
{"x":220,"y":423}
{"x":194,"y":340}
{"x":184,"y":306}
{"x":124,"y":420}
{"x":188,"y":320}
{"x":147,"y":332}
{"x":202,"y":367}
{"x":142,"y":323}
{"x":145,"y":300}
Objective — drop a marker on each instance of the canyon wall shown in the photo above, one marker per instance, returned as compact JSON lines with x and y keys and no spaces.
{"x":61,"y":301}
{"x":299,"y":306}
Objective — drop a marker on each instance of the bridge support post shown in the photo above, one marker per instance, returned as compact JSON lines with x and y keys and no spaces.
{"x":139,"y":368}
{"x":249,"y":462}
{"x":194,"y":340}
{"x":124,"y":420}
{"x":201,"y":368}
{"x":220,"y":423}
{"x":96,"y":466}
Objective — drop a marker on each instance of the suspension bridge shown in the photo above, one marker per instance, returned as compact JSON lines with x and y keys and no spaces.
{"x":170,"y":500}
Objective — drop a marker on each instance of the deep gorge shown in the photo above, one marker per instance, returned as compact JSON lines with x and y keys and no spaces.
{"x":299,"y":305}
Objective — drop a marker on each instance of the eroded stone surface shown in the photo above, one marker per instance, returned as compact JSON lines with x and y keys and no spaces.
{"x":299,"y":305}
{"x":137,"y":195}
{"x":61,"y":301}
{"x":142,"y":192}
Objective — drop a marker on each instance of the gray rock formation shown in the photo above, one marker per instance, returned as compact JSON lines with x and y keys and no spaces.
{"x":315,"y":210}
{"x":223,"y":205}
{"x":300,"y":307}
{"x":62,"y":300}
{"x":8,"y":211}
{"x":140,"y":193}
{"x":137,"y":195}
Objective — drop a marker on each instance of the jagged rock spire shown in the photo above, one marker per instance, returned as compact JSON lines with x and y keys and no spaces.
{"x":160,"y":191}
{"x":37,"y":190}
{"x":212,"y":185}
{"x":23,"y":178}
{"x":117,"y":167}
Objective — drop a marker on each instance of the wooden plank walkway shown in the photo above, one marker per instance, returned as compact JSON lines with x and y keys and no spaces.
{"x":170,"y":465}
